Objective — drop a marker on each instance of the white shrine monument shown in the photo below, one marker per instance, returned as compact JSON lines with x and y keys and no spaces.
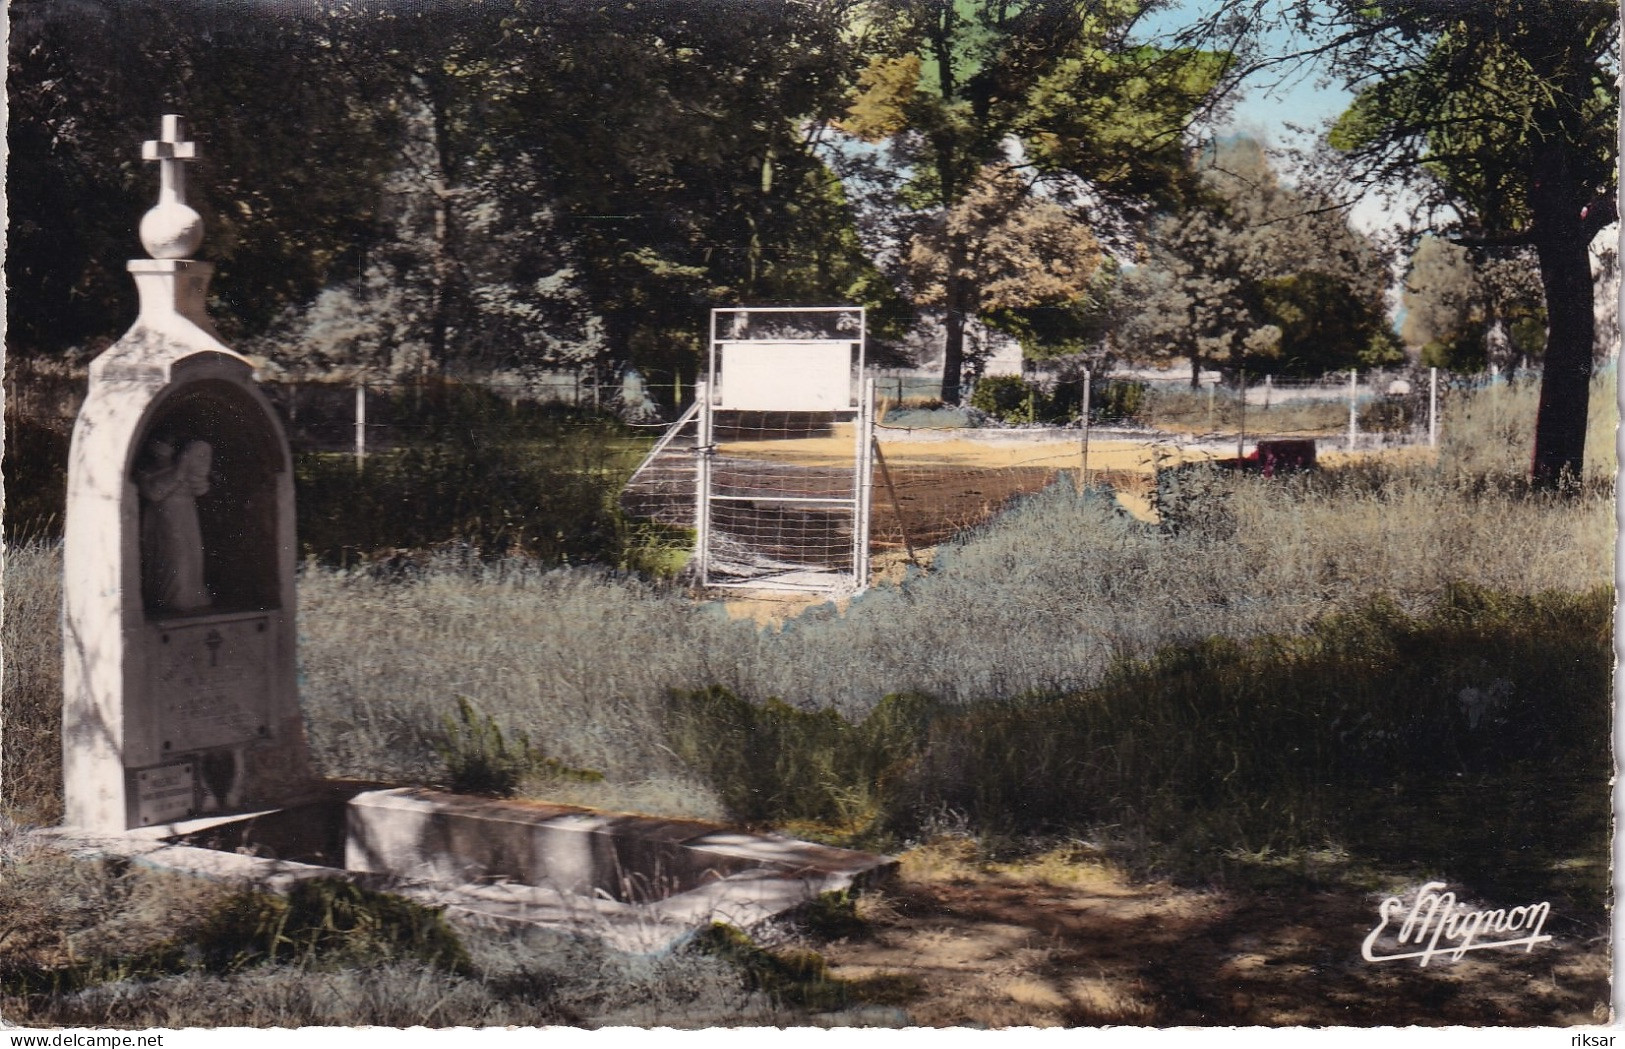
{"x":180,"y":696}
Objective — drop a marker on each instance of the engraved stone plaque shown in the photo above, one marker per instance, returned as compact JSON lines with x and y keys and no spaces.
{"x":210,"y":683}
{"x":164,"y":794}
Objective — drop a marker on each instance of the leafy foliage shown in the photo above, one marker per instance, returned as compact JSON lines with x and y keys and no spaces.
{"x":1504,"y":112}
{"x":479,"y":758}
{"x":473,"y":470}
{"x":293,"y":155}
{"x":950,"y":82}
{"x":1257,"y":276}
{"x":439,"y":188}
{"x":1463,"y":311}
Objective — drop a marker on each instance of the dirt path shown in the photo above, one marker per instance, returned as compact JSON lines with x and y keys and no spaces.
{"x":1077,"y":945}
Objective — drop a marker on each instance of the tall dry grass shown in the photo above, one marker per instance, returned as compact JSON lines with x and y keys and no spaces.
{"x":31,"y":665}
{"x":1488,"y":432}
{"x":1044,"y":599}
{"x":1047,"y":598}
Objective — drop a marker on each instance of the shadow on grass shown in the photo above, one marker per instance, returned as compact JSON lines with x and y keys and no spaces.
{"x":1471,"y":743}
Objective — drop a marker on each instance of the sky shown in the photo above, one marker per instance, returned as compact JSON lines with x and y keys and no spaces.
{"x":1268,"y":103}
{"x":1265,"y":106}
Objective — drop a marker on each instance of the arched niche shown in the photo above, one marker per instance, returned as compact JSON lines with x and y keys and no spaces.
{"x":236,"y":518}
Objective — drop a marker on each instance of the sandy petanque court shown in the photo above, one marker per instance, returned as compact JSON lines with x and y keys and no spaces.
{"x":944,"y":481}
{"x":930,"y":459}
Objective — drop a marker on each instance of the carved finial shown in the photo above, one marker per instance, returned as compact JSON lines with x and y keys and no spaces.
{"x":172,"y":230}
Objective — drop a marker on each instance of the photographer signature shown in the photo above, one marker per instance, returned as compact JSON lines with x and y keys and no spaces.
{"x":1435,"y":916}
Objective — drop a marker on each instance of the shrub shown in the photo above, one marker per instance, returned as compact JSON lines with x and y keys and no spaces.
{"x":326,"y":923}
{"x":1012,"y":399}
{"x":546,"y":490}
{"x":1008,"y":398}
{"x":478,"y":757}
{"x":1193,"y":499}
{"x":1116,"y":400}
{"x":935,"y":418}
{"x":772,"y":762}
{"x":1387,"y":415}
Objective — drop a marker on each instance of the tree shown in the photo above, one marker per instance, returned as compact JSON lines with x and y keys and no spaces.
{"x":951,"y":84}
{"x":468,"y":185}
{"x":680,"y":144}
{"x":1191,"y":298}
{"x":292,"y":158}
{"x":1465,"y":313}
{"x":1255,"y":275}
{"x":1503,"y":112}
{"x":1027,"y":259}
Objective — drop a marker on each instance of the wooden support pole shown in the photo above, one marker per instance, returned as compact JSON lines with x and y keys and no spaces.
{"x":896,"y":506}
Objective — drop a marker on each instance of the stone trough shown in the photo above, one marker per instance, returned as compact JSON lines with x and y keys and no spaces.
{"x":638,"y":883}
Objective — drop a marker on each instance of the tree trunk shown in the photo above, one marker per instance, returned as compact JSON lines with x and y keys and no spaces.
{"x":953,"y":353}
{"x":1565,"y":276}
{"x":957,"y":302}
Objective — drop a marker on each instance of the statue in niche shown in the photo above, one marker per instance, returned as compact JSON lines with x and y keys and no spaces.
{"x":171,"y":538}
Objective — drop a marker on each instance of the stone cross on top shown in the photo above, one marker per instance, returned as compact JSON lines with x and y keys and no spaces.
{"x":171,"y":230}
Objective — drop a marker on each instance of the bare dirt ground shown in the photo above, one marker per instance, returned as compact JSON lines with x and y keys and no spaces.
{"x":1070,"y":944}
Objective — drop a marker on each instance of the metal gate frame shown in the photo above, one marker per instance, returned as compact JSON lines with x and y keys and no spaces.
{"x":707,"y":397}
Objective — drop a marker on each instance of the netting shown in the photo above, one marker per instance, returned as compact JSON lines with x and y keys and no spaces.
{"x":784,"y":500}
{"x":779,"y":482}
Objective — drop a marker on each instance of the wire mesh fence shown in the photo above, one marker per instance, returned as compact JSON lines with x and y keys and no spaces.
{"x":537,"y":465}
{"x":1352,"y":410}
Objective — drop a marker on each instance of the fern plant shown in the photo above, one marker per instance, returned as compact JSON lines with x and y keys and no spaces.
{"x":479,"y":759}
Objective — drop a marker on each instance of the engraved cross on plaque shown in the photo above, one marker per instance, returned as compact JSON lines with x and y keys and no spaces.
{"x":214,"y":641}
{"x":171,"y":151}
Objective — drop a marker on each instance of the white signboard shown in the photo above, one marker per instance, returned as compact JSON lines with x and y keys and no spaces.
{"x":787,"y":376}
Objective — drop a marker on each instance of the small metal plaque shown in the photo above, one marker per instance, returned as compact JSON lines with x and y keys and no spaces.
{"x":210,"y":681}
{"x":165,"y":794}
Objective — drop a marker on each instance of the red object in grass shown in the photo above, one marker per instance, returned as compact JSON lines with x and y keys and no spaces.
{"x":1273,"y":457}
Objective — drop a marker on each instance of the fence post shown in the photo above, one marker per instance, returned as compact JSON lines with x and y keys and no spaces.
{"x":1354,"y":419}
{"x":702,"y":485}
{"x":360,"y":424}
{"x":1433,"y":407}
{"x":1241,"y":428}
{"x":1083,"y":475}
{"x":1269,"y":385}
